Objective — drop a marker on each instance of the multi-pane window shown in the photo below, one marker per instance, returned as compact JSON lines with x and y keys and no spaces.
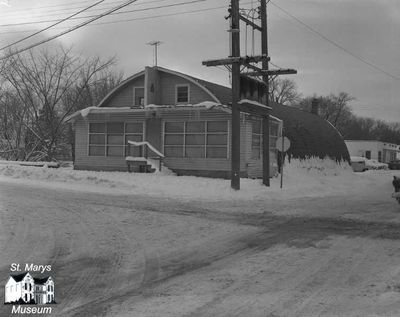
{"x":196,"y":139}
{"x":256,"y":137}
{"x":111,"y":138}
{"x":182,"y":93}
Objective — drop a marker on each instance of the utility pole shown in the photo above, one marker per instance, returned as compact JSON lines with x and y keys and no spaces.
{"x":265,"y":120}
{"x":259,"y":105}
{"x":155,"y":44}
{"x":235,"y":123}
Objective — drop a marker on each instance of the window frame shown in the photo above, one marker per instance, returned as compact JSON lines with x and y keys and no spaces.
{"x":272,"y":137}
{"x":176,"y":93}
{"x":107,"y":145}
{"x":134,"y":95}
{"x":260,"y":138}
{"x":205,"y":134}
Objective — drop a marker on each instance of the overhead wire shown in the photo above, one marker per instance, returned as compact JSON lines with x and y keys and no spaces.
{"x":69,"y":30}
{"x":116,"y":13}
{"x":69,"y":9}
{"x":84,"y":24}
{"x":57,"y":5}
{"x":361,"y":59}
{"x":134,"y":19}
{"x":87,"y":23}
{"x":50,"y":26}
{"x":208,"y":9}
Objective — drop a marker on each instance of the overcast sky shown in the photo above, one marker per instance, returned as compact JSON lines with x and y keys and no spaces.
{"x":336,"y":45}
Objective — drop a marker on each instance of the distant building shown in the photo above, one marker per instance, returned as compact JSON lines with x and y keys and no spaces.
{"x":376,"y":150}
{"x":28,"y":289}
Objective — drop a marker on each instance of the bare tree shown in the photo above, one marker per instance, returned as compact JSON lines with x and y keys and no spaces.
{"x":12,"y":116}
{"x":48,"y":87}
{"x":341,"y":103}
{"x":332,"y":108}
{"x":284,"y":91}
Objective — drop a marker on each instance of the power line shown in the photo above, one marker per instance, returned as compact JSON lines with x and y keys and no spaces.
{"x":116,"y":13}
{"x":71,"y":29}
{"x":127,"y":20}
{"x":69,"y":9}
{"x":39,"y":14}
{"x":363,"y":60}
{"x":49,"y":27}
{"x":161,"y":15}
{"x":56,"y":5}
{"x":136,"y":19}
{"x":84,"y":24}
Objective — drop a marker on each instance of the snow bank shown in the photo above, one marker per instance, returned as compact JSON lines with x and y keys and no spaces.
{"x":302,"y":178}
{"x":26,"y":163}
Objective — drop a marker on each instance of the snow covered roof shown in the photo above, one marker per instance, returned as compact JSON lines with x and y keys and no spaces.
{"x":254,"y":103}
{"x":205,"y":105}
{"x":42,"y":280}
{"x":19,"y":277}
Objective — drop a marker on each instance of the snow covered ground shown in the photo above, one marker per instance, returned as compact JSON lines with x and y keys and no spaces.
{"x":121,"y":244}
{"x":311,"y":178}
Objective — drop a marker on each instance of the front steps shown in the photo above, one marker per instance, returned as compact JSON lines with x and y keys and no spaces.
{"x":139,"y":165}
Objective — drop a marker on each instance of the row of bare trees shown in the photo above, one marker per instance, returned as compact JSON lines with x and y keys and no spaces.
{"x":38,"y":90}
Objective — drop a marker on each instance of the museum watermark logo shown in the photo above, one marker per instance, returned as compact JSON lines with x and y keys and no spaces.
{"x":28,"y":289}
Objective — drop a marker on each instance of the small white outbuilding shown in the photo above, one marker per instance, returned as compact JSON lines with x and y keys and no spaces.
{"x":373,"y":150}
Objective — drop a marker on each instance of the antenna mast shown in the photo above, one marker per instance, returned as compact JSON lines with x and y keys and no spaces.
{"x":155,"y":44}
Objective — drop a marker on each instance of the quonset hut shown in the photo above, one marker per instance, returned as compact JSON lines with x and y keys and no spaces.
{"x":309,"y":134}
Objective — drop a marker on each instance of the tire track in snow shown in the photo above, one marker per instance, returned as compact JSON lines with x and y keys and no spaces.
{"x":111,"y":267}
{"x":74,"y":282}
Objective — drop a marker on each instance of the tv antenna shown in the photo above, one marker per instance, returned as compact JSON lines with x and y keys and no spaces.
{"x":155,"y":44}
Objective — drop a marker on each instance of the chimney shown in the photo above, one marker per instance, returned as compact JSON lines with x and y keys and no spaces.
{"x":315,"y":106}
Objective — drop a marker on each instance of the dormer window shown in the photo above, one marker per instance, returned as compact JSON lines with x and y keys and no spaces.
{"x":138,"y":96}
{"x":182,"y":93}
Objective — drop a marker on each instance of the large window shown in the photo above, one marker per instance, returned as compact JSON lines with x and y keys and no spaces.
{"x":256,"y":137}
{"x":196,"y":139}
{"x":111,"y":138}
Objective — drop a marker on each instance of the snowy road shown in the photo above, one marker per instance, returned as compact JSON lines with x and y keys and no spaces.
{"x":141,"y":256}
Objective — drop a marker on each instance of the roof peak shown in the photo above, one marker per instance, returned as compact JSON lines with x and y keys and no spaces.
{"x":19,"y":276}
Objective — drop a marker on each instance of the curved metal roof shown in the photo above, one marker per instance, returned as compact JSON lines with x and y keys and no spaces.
{"x":310,"y":135}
